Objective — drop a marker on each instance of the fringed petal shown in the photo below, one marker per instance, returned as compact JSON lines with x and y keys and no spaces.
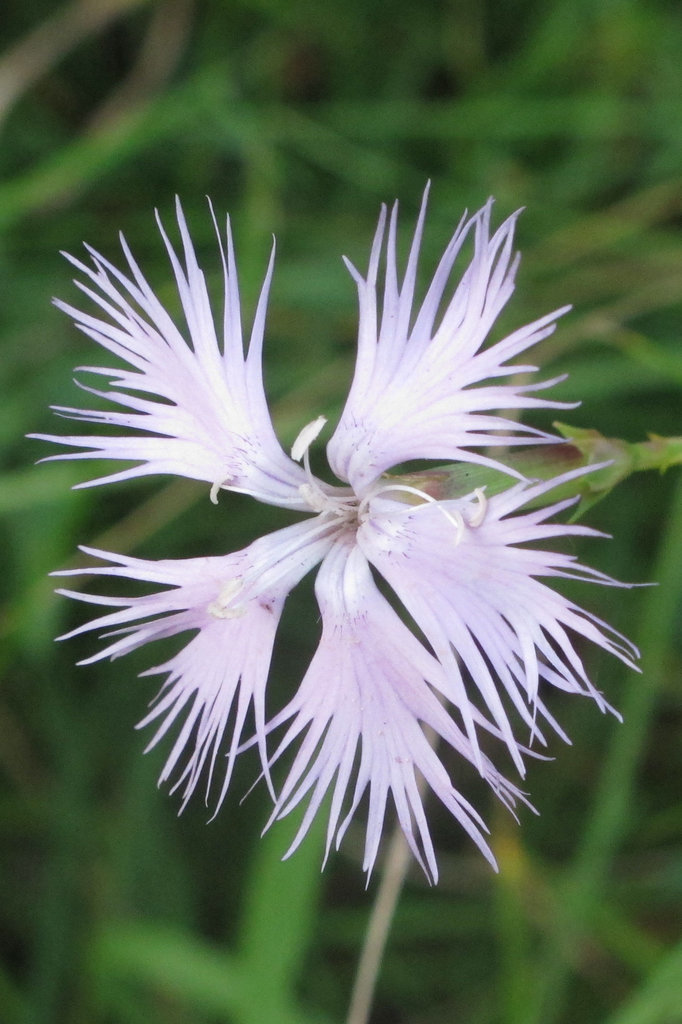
{"x":193,"y":405}
{"x":416,"y":392}
{"x":233,"y":605}
{"x":501,"y":634}
{"x":358,"y":721}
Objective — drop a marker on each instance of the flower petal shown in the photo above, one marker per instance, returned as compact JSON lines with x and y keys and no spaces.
{"x":370,"y":685}
{"x":414,"y":393}
{"x":480,"y":602}
{"x":194,"y":409}
{"x":234,"y":604}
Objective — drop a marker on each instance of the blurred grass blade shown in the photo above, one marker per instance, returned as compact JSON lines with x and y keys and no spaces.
{"x":608,"y":821}
{"x":202,"y":978}
{"x":659,"y":1001}
{"x":280,"y":909}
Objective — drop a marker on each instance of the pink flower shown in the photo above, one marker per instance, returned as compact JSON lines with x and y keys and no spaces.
{"x":494,"y":637}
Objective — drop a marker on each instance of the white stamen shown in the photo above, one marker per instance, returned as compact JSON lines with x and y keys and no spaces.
{"x":312,"y":493}
{"x":477,"y":517}
{"x":216,"y":487}
{"x":314,"y":497}
{"x":306,"y":438}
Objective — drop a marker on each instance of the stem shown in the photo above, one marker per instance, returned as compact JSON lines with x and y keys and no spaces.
{"x":397,"y":863}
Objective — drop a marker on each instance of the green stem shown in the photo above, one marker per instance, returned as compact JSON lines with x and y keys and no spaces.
{"x":581,"y":450}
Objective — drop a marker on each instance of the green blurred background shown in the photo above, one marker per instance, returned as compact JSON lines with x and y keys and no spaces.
{"x":300,"y":118}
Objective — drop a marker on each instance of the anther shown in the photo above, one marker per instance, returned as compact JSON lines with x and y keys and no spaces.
{"x":311,"y":492}
{"x":477,"y":517}
{"x":216,"y":487}
{"x":306,"y":437}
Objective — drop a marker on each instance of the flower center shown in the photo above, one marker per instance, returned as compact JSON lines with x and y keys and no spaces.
{"x":346,"y":506}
